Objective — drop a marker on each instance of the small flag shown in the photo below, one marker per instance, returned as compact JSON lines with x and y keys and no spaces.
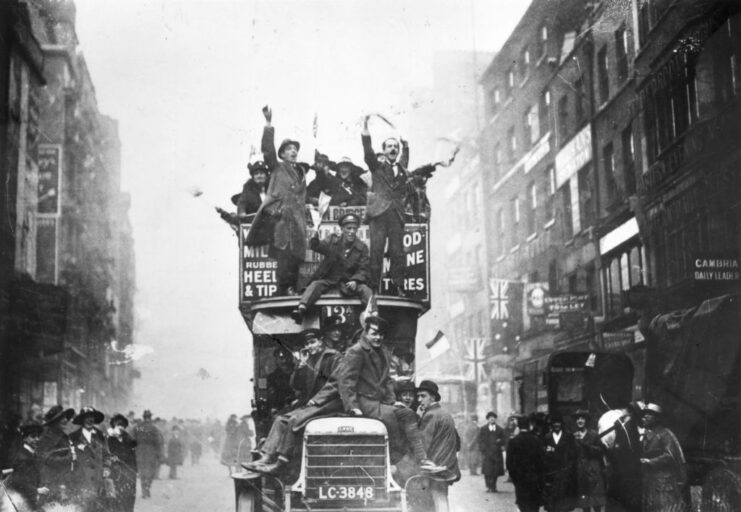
{"x":315,"y":125}
{"x":438,"y":345}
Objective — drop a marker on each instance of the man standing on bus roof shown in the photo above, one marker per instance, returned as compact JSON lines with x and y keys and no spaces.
{"x":385,"y":210}
{"x":367,"y":389}
{"x":345,"y":266}
{"x":491,"y":442}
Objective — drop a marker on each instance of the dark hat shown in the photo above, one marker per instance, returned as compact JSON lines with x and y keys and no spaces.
{"x":235,"y":199}
{"x":279,"y":352}
{"x":347,"y":162}
{"x":402,"y":385}
{"x":322,"y":158}
{"x":31,"y":428}
{"x":430,"y":387}
{"x":333,"y":322}
{"x":56,"y":413}
{"x":147,"y":414}
{"x":555,"y":418}
{"x":349,"y":218}
{"x":119,"y":418}
{"x":245,"y":417}
{"x":581,"y":413}
{"x":310,"y":334}
{"x":287,"y":142}
{"x":381,"y":324}
{"x":653,"y":409}
{"x":88,"y":411}
{"x":258,"y":166}
{"x":491,"y":414}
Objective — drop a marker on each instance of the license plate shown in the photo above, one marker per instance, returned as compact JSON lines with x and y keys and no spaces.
{"x":346,"y":492}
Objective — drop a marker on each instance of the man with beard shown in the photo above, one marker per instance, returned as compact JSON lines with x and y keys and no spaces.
{"x":123,"y":463}
{"x":57,"y":455}
{"x":148,"y":451}
{"x":345,"y":266}
{"x":92,"y":458}
{"x":525,"y":466}
{"x":315,"y":367}
{"x":385,"y":210}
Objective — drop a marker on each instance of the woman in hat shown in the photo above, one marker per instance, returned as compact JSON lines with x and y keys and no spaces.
{"x":662,"y":465}
{"x":123,"y":463}
{"x":26,"y":477}
{"x":349,"y":189}
{"x":590,"y":468}
{"x":93,"y":458}
{"x":254,"y":190}
{"x":56,"y":454}
{"x":282,"y":215}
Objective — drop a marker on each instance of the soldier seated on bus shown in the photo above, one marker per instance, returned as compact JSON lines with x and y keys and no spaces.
{"x":345,"y":266}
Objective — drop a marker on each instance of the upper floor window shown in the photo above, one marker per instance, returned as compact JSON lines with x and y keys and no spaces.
{"x":580,"y":100}
{"x":611,"y":184}
{"x":524,"y":64}
{"x":532,"y":128}
{"x":621,"y":51}
{"x":510,"y":81}
{"x":544,"y":108}
{"x":629,"y":151}
{"x":512,"y":143}
{"x":550,"y":192}
{"x":532,"y":195}
{"x":541,"y":47}
{"x":563,"y":119}
{"x":603,"y":78}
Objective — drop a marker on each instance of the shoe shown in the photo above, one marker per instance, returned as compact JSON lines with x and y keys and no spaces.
{"x":430,"y":467}
{"x":298,"y":314}
{"x":269,"y":469}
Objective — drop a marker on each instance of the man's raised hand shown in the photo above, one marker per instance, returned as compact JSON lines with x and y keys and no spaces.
{"x":268,"y":113}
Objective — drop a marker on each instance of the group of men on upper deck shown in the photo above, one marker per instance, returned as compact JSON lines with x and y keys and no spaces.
{"x":278,"y":192}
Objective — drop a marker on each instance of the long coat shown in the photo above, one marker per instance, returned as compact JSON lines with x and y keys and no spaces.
{"x":441,"y":441}
{"x":525,"y":465}
{"x":283,"y":210}
{"x":87,"y":477}
{"x":149,"y":446}
{"x":308,"y":379}
{"x":664,"y":475}
{"x":55,"y":452}
{"x":491,"y":444}
{"x":560,"y":472}
{"x":339,"y":264}
{"x":249,"y":200}
{"x":590,"y":470}
{"x":175,"y":453}
{"x":387,"y":191}
{"x":123,"y":469}
{"x":26,"y":477}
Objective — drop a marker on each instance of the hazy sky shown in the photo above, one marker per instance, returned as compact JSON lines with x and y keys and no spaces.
{"x":186,"y":80}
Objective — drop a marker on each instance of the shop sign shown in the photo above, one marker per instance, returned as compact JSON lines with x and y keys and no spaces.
{"x":566,"y":312}
{"x":574,"y":155}
{"x":617,"y":341}
{"x":716,"y":269}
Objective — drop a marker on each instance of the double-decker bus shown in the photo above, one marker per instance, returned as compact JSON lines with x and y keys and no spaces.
{"x":345,"y":463}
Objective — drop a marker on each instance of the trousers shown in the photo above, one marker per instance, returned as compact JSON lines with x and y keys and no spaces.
{"x":387,"y":226}
{"x":318,"y":287}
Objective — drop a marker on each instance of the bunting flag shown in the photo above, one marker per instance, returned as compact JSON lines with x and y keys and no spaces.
{"x":315,"y":125}
{"x":474,"y":359}
{"x":505,"y":299}
{"x":438,"y":345}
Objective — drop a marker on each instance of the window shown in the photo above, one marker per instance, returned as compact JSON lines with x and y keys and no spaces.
{"x":603,"y":78}
{"x":516,"y":209}
{"x":512,"y":143}
{"x":532,"y":195}
{"x":622,"y":270}
{"x":494,"y":100}
{"x":563,"y":119}
{"x":550,"y":192}
{"x":500,"y":231}
{"x":515,"y":216}
{"x":510,"y":82}
{"x":541,"y":46}
{"x":621,"y":49}
{"x":532,"y":128}
{"x":629,"y":151}
{"x":568,"y":221}
{"x":544,"y":118}
{"x":611,"y":184}
{"x":497,"y":160}
{"x":580,"y":101}
{"x":524,"y":64}
{"x":586,"y":197}
{"x":643,"y":23}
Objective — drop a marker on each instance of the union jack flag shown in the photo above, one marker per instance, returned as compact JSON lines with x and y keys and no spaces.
{"x":474,"y":359}
{"x":499,"y":299}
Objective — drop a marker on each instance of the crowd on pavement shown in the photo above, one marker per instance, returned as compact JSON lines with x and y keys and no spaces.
{"x":73,"y":459}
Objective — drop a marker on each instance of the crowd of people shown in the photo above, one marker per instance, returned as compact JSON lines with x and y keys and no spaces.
{"x":276,"y":197}
{"x":68,"y":458}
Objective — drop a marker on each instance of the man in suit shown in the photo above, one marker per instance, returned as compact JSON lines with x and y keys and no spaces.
{"x":491,"y":441}
{"x":367,"y":389}
{"x":57,"y":455}
{"x":93,"y":458}
{"x":282,"y":214}
{"x":345,"y":266}
{"x":26,"y":478}
{"x":525,"y":466}
{"x":385,"y":210}
{"x":560,"y":468}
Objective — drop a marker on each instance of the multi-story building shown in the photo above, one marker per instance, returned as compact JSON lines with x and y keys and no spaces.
{"x":608,"y":163}
{"x":72,"y":296}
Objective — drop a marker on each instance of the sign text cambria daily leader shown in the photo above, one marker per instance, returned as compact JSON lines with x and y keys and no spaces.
{"x":258,"y":278}
{"x":716,"y":269}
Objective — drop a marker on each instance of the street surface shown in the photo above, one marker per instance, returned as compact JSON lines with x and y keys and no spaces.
{"x":207,"y":488}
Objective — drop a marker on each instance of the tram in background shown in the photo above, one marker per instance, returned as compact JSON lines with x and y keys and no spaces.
{"x":345,"y":464}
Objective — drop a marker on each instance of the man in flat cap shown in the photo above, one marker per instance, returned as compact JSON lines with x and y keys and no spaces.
{"x":385,"y":210}
{"x":316,"y":364}
{"x":57,"y":455}
{"x":282,"y":214}
{"x":92,"y":458}
{"x":345,"y":266}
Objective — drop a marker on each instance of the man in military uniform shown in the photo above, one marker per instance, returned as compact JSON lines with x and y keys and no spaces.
{"x":148,"y":451}
{"x":345,"y":265}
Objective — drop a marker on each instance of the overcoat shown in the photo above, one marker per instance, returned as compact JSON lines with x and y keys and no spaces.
{"x":351,"y":193}
{"x":308,"y":379}
{"x":123,"y":469}
{"x":491,"y":444}
{"x":175,"y":453}
{"x":560,"y":472}
{"x":55,"y":452}
{"x":441,"y":441}
{"x":249,"y":200}
{"x":26,"y":477}
{"x":283,"y":210}
{"x":148,"y":449}
{"x":525,"y":467}
{"x":590,"y":470}
{"x":664,"y":476}
{"x":387,"y":190}
{"x":87,"y":477}
{"x":339,"y":264}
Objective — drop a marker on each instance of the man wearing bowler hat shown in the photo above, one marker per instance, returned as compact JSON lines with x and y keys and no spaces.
{"x":345,"y":266}
{"x":282,"y":215}
{"x":441,"y":440}
{"x":57,"y":455}
{"x":491,"y":442}
{"x":93,"y":458}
